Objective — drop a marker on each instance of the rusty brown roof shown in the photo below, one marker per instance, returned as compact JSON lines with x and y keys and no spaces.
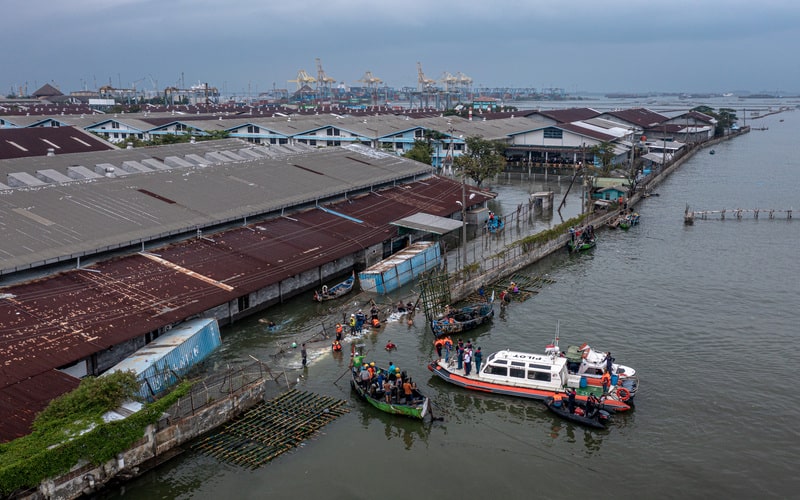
{"x":35,"y":141}
{"x":56,"y":321}
{"x":20,"y":402}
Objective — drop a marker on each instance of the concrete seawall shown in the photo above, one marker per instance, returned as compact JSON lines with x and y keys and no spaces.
{"x":160,"y":442}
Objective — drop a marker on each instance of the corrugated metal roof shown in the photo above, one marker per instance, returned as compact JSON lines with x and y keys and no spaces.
{"x":62,"y":319}
{"x":63,"y":221}
{"x":20,"y":402}
{"x":429,"y":223}
{"x":25,"y":142}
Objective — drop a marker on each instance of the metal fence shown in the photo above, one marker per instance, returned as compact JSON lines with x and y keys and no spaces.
{"x":221,"y":385}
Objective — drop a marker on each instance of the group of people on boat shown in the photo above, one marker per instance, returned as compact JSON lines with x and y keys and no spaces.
{"x":581,"y":235}
{"x":464,"y":354}
{"x":591,"y":408}
{"x":392,"y":385}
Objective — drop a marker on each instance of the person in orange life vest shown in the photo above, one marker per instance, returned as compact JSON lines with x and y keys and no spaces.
{"x":606,"y":381}
{"x":407,"y":391}
{"x":337,"y":346}
{"x":376,"y":323}
{"x":557,"y":400}
{"x":339,"y":331}
{"x":439,"y":345}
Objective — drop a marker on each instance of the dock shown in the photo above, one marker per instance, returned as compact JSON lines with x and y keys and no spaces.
{"x":689,"y":216}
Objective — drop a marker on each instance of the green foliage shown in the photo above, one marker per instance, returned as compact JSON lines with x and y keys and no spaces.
{"x":214,"y":135}
{"x":171,"y":139}
{"x":605,"y":153}
{"x":86,"y":404}
{"x":56,"y":444}
{"x":534,"y":240}
{"x":421,"y":152}
{"x":725,"y":117}
{"x":483,"y":159}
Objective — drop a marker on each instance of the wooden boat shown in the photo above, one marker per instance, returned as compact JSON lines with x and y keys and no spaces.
{"x":581,"y":239}
{"x":582,"y":245}
{"x":597,"y":420}
{"x":417,"y":407}
{"x":335,"y":291}
{"x":461,"y":320}
{"x":526,"y":375}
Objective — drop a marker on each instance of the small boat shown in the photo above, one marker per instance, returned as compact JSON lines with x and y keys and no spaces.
{"x":712,"y":152}
{"x":582,"y":245}
{"x":581,"y":239}
{"x":335,"y":291}
{"x":598,"y":418}
{"x":418,"y":406}
{"x":527,"y":375}
{"x":461,"y":320}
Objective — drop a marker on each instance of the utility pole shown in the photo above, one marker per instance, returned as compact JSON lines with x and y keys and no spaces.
{"x":464,"y":216}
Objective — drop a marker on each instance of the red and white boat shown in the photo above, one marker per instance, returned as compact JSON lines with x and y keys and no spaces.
{"x":534,"y":376}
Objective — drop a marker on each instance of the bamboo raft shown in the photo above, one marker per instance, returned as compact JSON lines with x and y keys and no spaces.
{"x":689,"y":216}
{"x":272,"y":428}
{"x":528,"y":286}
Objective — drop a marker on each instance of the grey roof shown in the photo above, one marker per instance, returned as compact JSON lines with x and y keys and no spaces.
{"x":429,"y":223}
{"x":60,"y":221}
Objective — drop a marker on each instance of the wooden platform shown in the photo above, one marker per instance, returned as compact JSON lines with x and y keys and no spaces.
{"x":528,"y":286}
{"x":272,"y":428}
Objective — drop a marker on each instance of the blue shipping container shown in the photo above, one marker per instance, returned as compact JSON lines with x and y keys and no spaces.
{"x":162,"y":362}
{"x":402,"y":267}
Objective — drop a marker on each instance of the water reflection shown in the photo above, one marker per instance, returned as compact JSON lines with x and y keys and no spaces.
{"x":409,"y":430}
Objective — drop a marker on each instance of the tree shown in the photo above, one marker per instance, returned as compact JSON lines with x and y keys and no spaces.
{"x":421,"y":152}
{"x":605,"y":153}
{"x":482,"y":159}
{"x":725,"y":117}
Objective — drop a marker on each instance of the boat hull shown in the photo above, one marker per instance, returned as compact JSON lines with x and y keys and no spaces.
{"x":581,"y":246}
{"x":418,"y":411}
{"x":463,"y":320}
{"x":473,"y":382}
{"x":564,"y":413}
{"x":336,"y":291}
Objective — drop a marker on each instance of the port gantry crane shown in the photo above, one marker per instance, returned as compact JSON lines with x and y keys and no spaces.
{"x":372,"y":82}
{"x":449,"y":81}
{"x":424,"y":84}
{"x":324,"y":81}
{"x":303,"y":79}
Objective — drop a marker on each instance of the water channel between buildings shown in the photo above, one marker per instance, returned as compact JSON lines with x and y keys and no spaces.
{"x":707,"y":314}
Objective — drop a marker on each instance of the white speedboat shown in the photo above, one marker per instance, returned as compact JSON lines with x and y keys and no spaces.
{"x":589,"y":364}
{"x":527,"y":375}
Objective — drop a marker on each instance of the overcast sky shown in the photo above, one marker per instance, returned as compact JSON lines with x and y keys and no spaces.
{"x":236,"y":45}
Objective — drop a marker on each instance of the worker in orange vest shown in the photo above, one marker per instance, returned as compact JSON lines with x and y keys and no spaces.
{"x":606,"y":381}
{"x":339,"y":331}
{"x":439,"y":345}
